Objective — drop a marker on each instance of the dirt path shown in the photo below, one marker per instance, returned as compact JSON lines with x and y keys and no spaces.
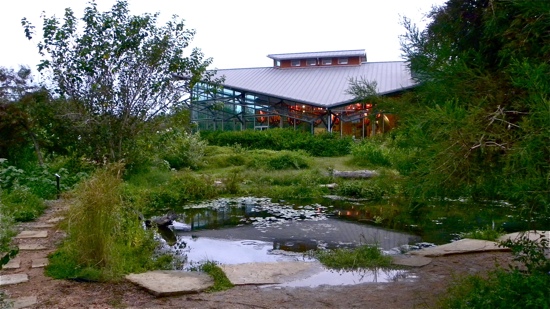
{"x":432,"y":281}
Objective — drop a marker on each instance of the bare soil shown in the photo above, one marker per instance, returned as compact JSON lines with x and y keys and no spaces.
{"x":432,"y":282}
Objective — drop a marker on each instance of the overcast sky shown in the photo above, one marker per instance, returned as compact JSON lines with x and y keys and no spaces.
{"x":241,"y":33}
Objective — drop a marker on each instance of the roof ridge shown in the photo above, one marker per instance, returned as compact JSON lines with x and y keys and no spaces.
{"x":312,"y":52}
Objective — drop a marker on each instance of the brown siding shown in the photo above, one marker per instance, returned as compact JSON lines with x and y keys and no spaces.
{"x":303,"y":62}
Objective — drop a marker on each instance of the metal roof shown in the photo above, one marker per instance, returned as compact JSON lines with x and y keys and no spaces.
{"x":326,"y":54}
{"x":318,"y":86}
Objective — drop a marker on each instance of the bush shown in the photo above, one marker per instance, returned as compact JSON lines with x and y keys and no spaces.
{"x":181,"y":149}
{"x":278,"y":160}
{"x":371,"y":153}
{"x":366,"y":189}
{"x":7,"y":230}
{"x":22,"y":205}
{"x":321,"y":145}
{"x":486,"y":233}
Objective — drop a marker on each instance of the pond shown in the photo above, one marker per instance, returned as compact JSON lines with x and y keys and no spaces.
{"x":249,"y":229}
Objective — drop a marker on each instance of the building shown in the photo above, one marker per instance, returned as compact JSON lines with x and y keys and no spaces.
{"x":306,"y":91}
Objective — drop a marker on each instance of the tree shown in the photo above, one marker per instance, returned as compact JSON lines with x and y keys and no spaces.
{"x":16,"y":125}
{"x":482,"y":116}
{"x":116,"y":73}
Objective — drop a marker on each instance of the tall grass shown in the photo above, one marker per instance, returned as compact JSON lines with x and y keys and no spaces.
{"x":104,"y":236}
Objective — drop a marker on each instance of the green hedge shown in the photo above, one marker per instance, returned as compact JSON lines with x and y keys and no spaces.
{"x":320,"y":145}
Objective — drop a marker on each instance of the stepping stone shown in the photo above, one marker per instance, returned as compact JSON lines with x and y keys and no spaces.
{"x":22,"y":302}
{"x":42,"y":226}
{"x":12,"y":264}
{"x":531,"y":235}
{"x":13,"y":279}
{"x":411,"y":261}
{"x":55,"y":219}
{"x":269,"y":273}
{"x":31,"y":247}
{"x":32,"y":234}
{"x":459,"y":247}
{"x":172,"y":282}
{"x":36,"y":263}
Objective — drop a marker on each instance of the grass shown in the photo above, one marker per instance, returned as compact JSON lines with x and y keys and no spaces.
{"x":486,"y":233}
{"x":221,"y":282}
{"x":105,"y":239}
{"x":501,"y":289}
{"x":362,"y":257}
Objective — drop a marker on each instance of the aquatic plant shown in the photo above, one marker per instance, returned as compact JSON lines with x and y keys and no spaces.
{"x":364,"y":256}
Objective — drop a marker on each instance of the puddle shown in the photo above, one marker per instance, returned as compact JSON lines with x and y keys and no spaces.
{"x":201,"y":249}
{"x":336,"y":278}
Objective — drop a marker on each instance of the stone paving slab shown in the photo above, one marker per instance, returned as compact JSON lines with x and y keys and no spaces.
{"x":172,"y":282}
{"x":532,"y":235}
{"x":22,"y":302}
{"x":460,"y":247}
{"x":41,"y":226}
{"x":32,"y":234}
{"x":269,"y":273}
{"x":37,"y":263}
{"x":31,"y":247}
{"x":13,"y":264}
{"x":13,"y":279}
{"x":55,"y":220}
{"x":411,"y":261}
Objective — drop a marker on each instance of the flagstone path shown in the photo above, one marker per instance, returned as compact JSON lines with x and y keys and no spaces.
{"x":33,"y":242}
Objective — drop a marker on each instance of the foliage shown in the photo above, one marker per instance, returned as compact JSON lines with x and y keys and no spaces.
{"x":116,"y":73}
{"x":364,"y":256}
{"x":41,"y":180}
{"x":172,"y":190}
{"x":371,"y":153}
{"x":105,"y":239}
{"x":531,"y":253}
{"x":364,"y":189}
{"x":481,"y":111}
{"x":22,"y":205}
{"x":486,"y":233}
{"x":501,"y":289}
{"x":180,"y":149}
{"x":221,"y":282}
{"x":277,"y":160}
{"x":7,"y":230}
{"x":322,"y":145}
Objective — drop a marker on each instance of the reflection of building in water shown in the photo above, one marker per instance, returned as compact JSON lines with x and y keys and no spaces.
{"x":208,"y":218}
{"x":294,"y":245}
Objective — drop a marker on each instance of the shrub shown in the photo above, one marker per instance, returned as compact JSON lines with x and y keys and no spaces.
{"x":7,"y":230}
{"x":22,"y":205}
{"x":181,"y":149}
{"x":278,"y":160}
{"x":321,"y":145}
{"x":371,"y":153}
{"x":366,"y":189}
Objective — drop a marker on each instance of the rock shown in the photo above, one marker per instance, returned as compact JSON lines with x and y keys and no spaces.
{"x":12,"y":264}
{"x":459,"y":247}
{"x":354,"y":174}
{"x":37,"y":263}
{"x":32,"y":234}
{"x":536,"y":236}
{"x":269,"y":273}
{"x":13,"y":279}
{"x":31,"y":247}
{"x":172,"y":282}
{"x":411,"y":261}
{"x":22,"y":302}
{"x":179,"y":226}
